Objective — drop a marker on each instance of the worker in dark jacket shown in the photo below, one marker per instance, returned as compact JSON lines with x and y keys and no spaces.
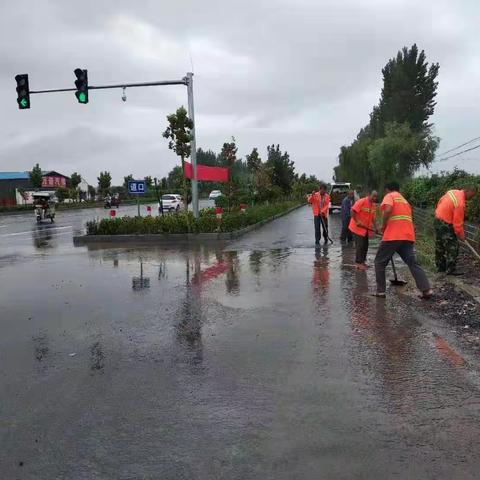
{"x":347,"y":203}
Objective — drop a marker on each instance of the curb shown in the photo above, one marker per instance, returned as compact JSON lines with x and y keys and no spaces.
{"x":175,"y":238}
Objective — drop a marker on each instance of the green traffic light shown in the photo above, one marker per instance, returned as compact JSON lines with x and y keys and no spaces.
{"x":23,"y":102}
{"x":82,"y":97}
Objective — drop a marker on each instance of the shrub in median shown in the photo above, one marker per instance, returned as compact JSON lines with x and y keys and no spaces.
{"x":185,"y":222}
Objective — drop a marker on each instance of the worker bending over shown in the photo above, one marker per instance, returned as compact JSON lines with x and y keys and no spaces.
{"x":320,"y":202}
{"x":449,"y":229}
{"x":398,"y":237}
{"x":362,"y":225}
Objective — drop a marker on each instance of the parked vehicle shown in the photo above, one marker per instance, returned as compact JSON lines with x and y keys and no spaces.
{"x":44,"y":207}
{"x":172,"y":202}
{"x":338,"y":191}
{"x":215,"y":194}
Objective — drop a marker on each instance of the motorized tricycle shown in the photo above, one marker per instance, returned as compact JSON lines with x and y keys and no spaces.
{"x":44,"y":208}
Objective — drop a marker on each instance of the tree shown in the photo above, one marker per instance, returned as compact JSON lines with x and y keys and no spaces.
{"x":253,"y":161}
{"x":62,"y":193}
{"x":304,"y":185}
{"x":148,"y":182}
{"x":281,"y":167}
{"x":406,"y":103}
{"x":206,"y":157}
{"x":179,"y":134}
{"x":126,"y":179}
{"x":228,"y":157}
{"x":400,"y":153}
{"x":409,"y":89}
{"x":36,"y":177}
{"x":75,"y":180}
{"x":104,"y":182}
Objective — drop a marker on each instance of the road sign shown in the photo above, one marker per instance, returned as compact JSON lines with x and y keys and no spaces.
{"x":136,"y":187}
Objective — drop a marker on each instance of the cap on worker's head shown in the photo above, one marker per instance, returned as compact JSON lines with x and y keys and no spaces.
{"x":392,"y":186}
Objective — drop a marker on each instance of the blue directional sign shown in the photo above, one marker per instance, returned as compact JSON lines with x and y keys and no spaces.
{"x":137,"y":187}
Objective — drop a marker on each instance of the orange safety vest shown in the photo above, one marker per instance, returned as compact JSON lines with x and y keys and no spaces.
{"x":400,"y":223}
{"x":451,"y":209}
{"x":365,"y":214}
{"x":320,"y":205}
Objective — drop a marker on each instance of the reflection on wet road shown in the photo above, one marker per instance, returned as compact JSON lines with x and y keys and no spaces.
{"x":266,"y":360}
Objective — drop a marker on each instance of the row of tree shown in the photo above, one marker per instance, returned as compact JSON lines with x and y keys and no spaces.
{"x":398,"y":139}
{"x":250,"y":181}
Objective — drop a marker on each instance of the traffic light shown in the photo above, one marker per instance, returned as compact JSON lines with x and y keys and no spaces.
{"x":23,"y":91}
{"x":82,"y":85}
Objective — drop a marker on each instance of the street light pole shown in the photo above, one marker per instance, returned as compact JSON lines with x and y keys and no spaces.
{"x":193,"y":154}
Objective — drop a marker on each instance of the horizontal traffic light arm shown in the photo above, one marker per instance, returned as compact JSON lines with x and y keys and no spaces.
{"x":184,"y":81}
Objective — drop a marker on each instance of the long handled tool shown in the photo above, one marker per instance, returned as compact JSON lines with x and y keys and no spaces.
{"x":325,"y":228}
{"x":469,"y":245}
{"x":395,"y":280}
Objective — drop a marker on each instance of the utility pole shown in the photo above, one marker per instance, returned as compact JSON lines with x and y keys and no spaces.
{"x":193,"y":154}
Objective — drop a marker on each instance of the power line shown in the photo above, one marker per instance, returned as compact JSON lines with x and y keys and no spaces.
{"x":457,"y":154}
{"x":456,"y":148}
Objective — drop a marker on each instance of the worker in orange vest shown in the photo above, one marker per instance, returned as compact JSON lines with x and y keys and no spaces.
{"x":362,"y":225}
{"x":449,"y":217}
{"x":398,"y":237}
{"x":320,"y":202}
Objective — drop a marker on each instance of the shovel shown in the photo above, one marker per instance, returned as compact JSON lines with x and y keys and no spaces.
{"x":469,"y":245}
{"x":325,"y":229}
{"x":395,"y":280}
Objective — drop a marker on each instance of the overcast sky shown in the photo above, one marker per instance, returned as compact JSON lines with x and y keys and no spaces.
{"x":304,"y":74}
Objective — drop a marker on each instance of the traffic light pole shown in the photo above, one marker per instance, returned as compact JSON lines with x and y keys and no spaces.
{"x":193,"y":153}
{"x":188,"y":82}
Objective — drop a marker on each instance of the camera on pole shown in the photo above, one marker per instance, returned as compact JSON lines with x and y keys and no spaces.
{"x":82,"y":85}
{"x":23,"y":91}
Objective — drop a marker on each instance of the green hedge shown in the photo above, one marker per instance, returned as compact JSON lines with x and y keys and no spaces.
{"x":185,"y":222}
{"x":426,"y":191}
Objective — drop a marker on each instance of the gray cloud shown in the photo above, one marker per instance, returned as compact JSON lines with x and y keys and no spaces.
{"x":303,"y":74}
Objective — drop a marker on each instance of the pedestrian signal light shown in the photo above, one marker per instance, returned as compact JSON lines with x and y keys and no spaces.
{"x":23,"y":91}
{"x":82,"y":85}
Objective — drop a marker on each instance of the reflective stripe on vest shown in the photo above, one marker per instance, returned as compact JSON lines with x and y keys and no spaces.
{"x":399,"y":200}
{"x":453,"y":198}
{"x":368,"y":210}
{"x":401,"y":217}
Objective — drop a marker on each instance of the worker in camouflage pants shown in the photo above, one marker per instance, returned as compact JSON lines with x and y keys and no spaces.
{"x":446,"y":246}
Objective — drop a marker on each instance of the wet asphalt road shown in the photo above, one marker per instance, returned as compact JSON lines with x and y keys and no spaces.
{"x":265,"y":360}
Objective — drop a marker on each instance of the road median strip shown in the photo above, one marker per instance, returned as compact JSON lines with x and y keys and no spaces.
{"x":178,"y":238}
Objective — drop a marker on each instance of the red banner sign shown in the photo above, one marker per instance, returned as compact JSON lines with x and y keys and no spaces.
{"x":206,"y":173}
{"x":54,"y":182}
